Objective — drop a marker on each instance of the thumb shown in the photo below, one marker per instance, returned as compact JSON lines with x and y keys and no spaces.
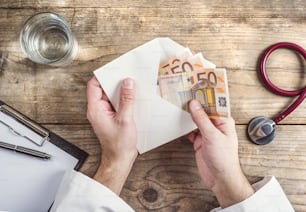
{"x":200,"y":118}
{"x":127,"y":97}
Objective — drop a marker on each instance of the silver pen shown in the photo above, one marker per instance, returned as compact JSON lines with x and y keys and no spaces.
{"x":25,"y":150}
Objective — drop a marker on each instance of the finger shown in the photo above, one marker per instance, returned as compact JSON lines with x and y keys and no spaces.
{"x":196,"y":131}
{"x":225,"y":125}
{"x":197,"y":145}
{"x":104,"y":97}
{"x":127,"y":97}
{"x":192,"y":136}
{"x":200,"y":118}
{"x":196,"y":139}
{"x":94,"y":91}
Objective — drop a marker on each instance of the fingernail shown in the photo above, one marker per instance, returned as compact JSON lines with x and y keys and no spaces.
{"x":128,"y":83}
{"x":195,"y":105}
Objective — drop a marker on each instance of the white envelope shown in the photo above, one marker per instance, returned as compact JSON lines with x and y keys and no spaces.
{"x":157,"y":120}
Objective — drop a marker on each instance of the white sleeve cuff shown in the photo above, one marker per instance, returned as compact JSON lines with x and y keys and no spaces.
{"x":268,"y":197}
{"x":80,"y":193}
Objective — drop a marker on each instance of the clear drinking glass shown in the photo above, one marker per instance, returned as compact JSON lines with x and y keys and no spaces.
{"x":46,"y":38}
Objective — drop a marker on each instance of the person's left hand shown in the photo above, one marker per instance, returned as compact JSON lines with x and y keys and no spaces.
{"x":116,"y":132}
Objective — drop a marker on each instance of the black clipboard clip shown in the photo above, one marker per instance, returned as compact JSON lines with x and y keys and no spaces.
{"x":26,"y":122}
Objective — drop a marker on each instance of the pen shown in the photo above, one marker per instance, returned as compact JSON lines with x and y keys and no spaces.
{"x":25,"y":150}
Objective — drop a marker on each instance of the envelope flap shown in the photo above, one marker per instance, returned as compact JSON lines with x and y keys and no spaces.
{"x":170,"y":48}
{"x":141,"y":64}
{"x":157,"y":120}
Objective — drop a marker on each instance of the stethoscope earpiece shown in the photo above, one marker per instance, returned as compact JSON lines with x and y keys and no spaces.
{"x":261,"y":130}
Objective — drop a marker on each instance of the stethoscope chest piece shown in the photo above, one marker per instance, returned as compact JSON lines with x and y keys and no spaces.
{"x":261,"y":130}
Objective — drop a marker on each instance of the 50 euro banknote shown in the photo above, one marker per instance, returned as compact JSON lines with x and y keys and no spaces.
{"x":185,"y":61}
{"x":208,"y":86}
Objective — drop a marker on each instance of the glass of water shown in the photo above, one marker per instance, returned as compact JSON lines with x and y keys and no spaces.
{"x":46,"y":38}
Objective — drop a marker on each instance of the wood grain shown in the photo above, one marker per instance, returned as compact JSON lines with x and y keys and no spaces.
{"x":166,"y":178}
{"x":232,"y":34}
{"x":219,"y":38}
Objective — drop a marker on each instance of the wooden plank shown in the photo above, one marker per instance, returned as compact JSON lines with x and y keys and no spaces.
{"x":166,"y":178}
{"x":235,"y":5}
{"x":58,"y":95}
{"x":232,"y":34}
{"x":284,"y":158}
{"x":170,"y":181}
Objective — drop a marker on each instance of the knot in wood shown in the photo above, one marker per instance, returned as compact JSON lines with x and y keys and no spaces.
{"x":150,"y":195}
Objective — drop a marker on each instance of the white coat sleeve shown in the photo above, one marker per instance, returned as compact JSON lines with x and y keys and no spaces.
{"x":268,"y":196}
{"x":79,"y":193}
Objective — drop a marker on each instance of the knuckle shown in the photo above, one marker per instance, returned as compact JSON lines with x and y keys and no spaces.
{"x":127,"y":97}
{"x":124,"y":120}
{"x":88,"y":83}
{"x":200,"y":115}
{"x":89,"y":115}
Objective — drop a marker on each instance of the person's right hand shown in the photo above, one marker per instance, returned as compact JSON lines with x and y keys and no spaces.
{"x":216,"y":151}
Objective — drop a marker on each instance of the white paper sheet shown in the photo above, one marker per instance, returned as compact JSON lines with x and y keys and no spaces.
{"x":29,"y":184}
{"x":157,"y":120}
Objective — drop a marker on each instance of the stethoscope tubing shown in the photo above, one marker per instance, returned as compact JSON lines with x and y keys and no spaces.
{"x":289,"y":93}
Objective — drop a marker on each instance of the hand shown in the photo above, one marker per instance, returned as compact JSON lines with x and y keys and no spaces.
{"x":116,"y":132}
{"x":216,"y":151}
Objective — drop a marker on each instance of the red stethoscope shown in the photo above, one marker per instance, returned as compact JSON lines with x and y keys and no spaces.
{"x":261,"y":129}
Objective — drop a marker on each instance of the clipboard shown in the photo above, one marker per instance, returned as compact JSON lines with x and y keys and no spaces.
{"x":28,"y":183}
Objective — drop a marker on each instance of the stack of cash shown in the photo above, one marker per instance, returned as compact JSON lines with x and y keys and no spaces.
{"x":188,"y":76}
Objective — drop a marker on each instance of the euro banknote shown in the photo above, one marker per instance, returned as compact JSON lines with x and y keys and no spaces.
{"x":183,"y":62}
{"x":186,"y":77}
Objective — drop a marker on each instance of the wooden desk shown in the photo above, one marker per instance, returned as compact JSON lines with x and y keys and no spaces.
{"x":232,"y":34}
